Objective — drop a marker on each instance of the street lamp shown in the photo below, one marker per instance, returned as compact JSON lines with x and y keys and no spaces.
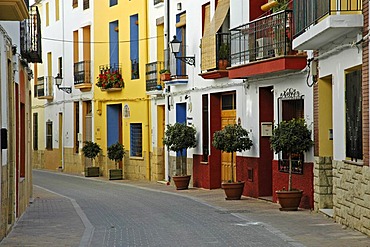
{"x":58,"y":82}
{"x":175,"y":47}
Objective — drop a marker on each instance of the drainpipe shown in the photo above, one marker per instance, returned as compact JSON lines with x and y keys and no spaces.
{"x":167,"y":65}
{"x":149,"y":125}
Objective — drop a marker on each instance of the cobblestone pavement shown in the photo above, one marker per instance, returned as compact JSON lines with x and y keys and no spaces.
{"x":97,"y":212}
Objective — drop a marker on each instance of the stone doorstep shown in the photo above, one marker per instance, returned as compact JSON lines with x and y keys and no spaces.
{"x":327,"y":211}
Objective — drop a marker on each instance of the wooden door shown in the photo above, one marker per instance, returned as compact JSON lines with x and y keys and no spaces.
{"x":227,"y":117}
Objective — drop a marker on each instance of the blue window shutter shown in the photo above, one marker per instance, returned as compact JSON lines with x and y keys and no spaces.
{"x":113,"y":43}
{"x":181,"y":118}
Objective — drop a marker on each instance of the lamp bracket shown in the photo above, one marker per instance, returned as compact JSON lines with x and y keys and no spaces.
{"x":187,"y":60}
{"x":66,"y":89}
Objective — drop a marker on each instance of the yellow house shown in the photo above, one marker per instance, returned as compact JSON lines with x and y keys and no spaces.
{"x":121,"y":107}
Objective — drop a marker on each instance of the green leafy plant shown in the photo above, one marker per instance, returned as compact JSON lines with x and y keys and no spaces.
{"x":179,"y":137}
{"x":282,"y":5}
{"x":231,"y":139}
{"x":224,"y":51}
{"x":110,"y":79}
{"x":116,"y":152}
{"x":164,"y":71}
{"x":91,"y":149}
{"x":291,"y":136}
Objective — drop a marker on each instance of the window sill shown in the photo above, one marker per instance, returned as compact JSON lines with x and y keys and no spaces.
{"x":136,"y":158}
{"x":358,"y":163}
{"x":204,"y":162}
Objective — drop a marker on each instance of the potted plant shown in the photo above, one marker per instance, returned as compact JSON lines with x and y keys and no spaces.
{"x":110,"y":78}
{"x":223,"y":56}
{"x":91,"y":150}
{"x":179,"y":137}
{"x":291,"y":137}
{"x":231,"y":139}
{"x":116,"y":152}
{"x":165,"y":74}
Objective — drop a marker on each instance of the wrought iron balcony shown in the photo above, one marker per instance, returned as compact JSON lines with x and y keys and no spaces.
{"x":44,"y":88}
{"x":215,"y":55}
{"x":82,"y":75}
{"x":153,"y":82}
{"x":263,"y":38}
{"x":30,"y":30}
{"x":14,"y":10}
{"x":135,"y":69}
{"x":264,"y":46}
{"x":110,"y":77}
{"x":319,"y":22}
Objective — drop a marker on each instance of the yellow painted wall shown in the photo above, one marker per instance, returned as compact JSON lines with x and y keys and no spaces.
{"x":134,"y":92}
{"x":325,"y":117}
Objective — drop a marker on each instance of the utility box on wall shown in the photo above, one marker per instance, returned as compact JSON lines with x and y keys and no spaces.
{"x":266,"y":129}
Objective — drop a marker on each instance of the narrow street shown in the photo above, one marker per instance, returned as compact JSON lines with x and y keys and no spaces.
{"x":76,"y":211}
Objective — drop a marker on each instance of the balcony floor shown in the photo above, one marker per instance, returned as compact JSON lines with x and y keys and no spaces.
{"x":13,"y":10}
{"x":269,"y":66}
{"x":332,"y":28}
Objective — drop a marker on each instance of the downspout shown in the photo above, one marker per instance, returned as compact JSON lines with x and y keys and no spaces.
{"x":167,"y":65}
{"x":149,"y":125}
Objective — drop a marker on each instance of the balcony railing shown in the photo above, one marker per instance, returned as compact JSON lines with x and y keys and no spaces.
{"x":215,"y":47}
{"x":134,"y":69}
{"x":82,"y":72}
{"x":30,"y":31}
{"x":44,"y":87}
{"x":152,"y":76}
{"x":263,"y":38}
{"x":309,"y":12}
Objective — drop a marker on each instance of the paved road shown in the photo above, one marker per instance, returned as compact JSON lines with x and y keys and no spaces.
{"x":77,"y":211}
{"x":128,"y":216}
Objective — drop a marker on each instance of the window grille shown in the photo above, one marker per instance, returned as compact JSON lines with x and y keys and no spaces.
{"x":136,"y":138}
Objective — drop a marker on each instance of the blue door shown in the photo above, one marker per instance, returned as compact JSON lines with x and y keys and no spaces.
{"x":114,"y":124}
{"x":181,"y":118}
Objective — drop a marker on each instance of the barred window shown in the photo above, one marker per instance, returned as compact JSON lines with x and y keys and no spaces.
{"x":49,"y":135}
{"x":35,"y":132}
{"x":136,"y":138}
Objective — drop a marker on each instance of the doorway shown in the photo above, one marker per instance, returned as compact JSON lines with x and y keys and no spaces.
{"x":228,"y":116}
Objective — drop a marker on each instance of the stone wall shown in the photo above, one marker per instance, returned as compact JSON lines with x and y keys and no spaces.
{"x":4,"y":202}
{"x":38,"y":159}
{"x":323,"y":183}
{"x":73,"y":162}
{"x":351,"y":195}
{"x":157,"y":165}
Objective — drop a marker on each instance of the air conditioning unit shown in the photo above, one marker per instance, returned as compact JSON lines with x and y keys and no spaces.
{"x":263,"y":47}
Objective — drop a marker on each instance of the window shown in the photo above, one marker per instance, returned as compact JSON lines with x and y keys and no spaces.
{"x":49,"y":135}
{"x":75,"y":3}
{"x":228,"y":101}
{"x":353,"y":97}
{"x":181,"y":35}
{"x":86,"y":4}
{"x":136,"y":138}
{"x":35,"y":132}
{"x":60,"y":65}
{"x":112,"y":2}
{"x":292,"y":104}
{"x":57,"y":10}
{"x":134,"y":46}
{"x":47,"y":14}
{"x":205,"y":127}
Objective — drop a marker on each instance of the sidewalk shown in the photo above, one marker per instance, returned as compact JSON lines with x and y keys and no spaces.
{"x":52,"y":218}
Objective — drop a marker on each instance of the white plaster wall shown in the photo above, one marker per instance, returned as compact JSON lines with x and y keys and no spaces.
{"x":336,"y":65}
{"x":58,"y":39}
{"x":239,"y":10}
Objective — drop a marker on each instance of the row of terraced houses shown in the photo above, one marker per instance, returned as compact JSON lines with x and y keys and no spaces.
{"x":307,"y":59}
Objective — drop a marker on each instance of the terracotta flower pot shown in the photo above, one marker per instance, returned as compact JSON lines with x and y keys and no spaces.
{"x":289,"y":200}
{"x":233,"y":191}
{"x":181,"y":182}
{"x":165,"y":77}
